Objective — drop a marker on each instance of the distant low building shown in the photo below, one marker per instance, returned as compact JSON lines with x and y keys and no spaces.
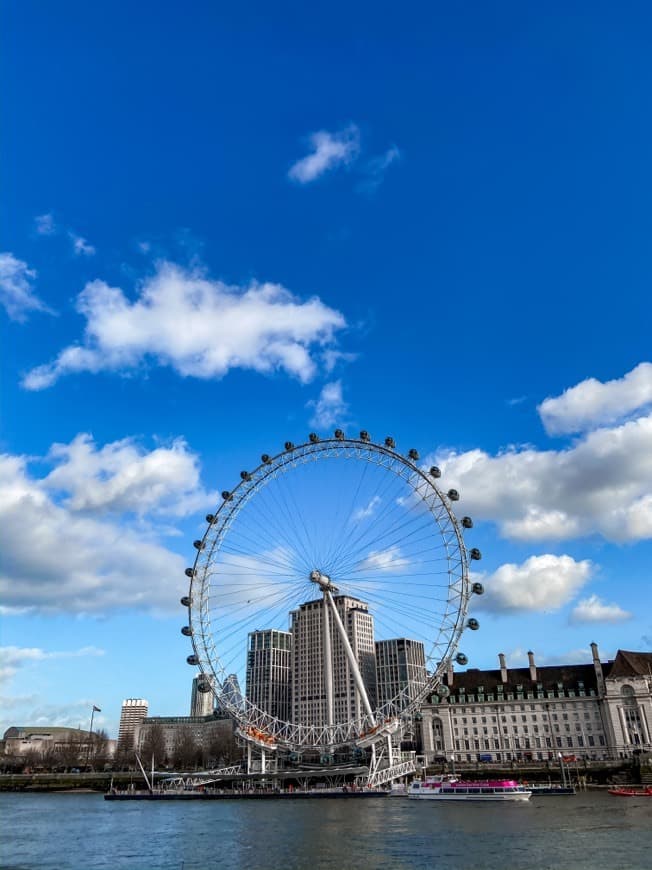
{"x":591,"y":711}
{"x":21,"y":740}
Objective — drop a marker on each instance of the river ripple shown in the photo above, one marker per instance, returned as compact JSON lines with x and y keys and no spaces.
{"x":83,"y":832}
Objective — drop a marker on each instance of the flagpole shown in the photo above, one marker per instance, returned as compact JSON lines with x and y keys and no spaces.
{"x":94,"y":709}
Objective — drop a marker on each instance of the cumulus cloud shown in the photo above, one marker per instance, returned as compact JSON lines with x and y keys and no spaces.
{"x":368,"y":510}
{"x":390,"y":559}
{"x":541,"y":583}
{"x":14,"y":657}
{"x":329,"y":409}
{"x":593,"y":609}
{"x":200,"y":328}
{"x":62,"y":552}
{"x":329,"y":150}
{"x":593,"y":403}
{"x":45,"y":224}
{"x":80,"y":246}
{"x":601,"y":484}
{"x":16,"y":288}
{"x":376,"y":168}
{"x":124,"y":477}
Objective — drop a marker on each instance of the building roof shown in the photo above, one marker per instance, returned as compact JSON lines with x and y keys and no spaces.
{"x":26,"y":731}
{"x":548,"y":677}
{"x":631,"y":664}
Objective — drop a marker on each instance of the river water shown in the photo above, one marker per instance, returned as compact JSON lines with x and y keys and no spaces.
{"x":82,"y":831}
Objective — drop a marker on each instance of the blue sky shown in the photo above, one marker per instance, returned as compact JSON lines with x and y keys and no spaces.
{"x":224,"y":226}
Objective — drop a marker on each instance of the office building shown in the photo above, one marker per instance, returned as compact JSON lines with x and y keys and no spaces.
{"x":308,"y":688}
{"x":202,"y":703}
{"x":269,"y":671}
{"x":134,"y":710}
{"x":400,"y":669}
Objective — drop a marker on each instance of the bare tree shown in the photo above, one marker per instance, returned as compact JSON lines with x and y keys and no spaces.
{"x":70,"y":750}
{"x":99,"y":748}
{"x":186,"y":752}
{"x":124,"y":756}
{"x":154,"y":744}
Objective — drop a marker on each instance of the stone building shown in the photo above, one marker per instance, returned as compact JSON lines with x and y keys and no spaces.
{"x":591,"y":711}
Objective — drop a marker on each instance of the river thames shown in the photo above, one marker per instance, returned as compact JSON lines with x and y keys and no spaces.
{"x":80,"y":831}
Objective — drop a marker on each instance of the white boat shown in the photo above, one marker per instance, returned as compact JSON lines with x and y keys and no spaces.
{"x":449,"y":788}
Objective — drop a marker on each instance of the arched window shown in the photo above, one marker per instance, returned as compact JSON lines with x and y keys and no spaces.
{"x":437,"y":733}
{"x":628,"y":695}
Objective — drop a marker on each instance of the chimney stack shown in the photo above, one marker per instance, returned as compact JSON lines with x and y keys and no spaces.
{"x":533,"y":667}
{"x":449,"y":675}
{"x":503,"y":667}
{"x":597,"y":667}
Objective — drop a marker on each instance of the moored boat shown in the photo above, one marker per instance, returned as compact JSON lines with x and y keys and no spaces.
{"x":632,"y":792}
{"x":551,"y":789}
{"x":450,"y":788}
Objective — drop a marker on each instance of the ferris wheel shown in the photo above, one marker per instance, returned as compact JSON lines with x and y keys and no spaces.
{"x":329,"y":594}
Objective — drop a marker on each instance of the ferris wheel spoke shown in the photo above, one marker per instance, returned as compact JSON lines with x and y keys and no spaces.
{"x":383,"y":534}
{"x":272,"y":521}
{"x":376,"y":497}
{"x":373,"y":557}
{"x":345,"y":512}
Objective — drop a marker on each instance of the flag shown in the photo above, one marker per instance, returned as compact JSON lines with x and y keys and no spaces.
{"x":96,"y":709}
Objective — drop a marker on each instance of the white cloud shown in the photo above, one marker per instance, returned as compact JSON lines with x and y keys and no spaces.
{"x":124,"y":477}
{"x":518,"y":658}
{"x":59,"y":556}
{"x":14,"y":657}
{"x":16,"y":290}
{"x":593,"y":609}
{"x":329,"y":409}
{"x":541,"y":583}
{"x":390,"y":559}
{"x":376,"y":168}
{"x":601,"y":484}
{"x":329,"y":150}
{"x":593,"y":403}
{"x":368,"y":510}
{"x":201,"y":328}
{"x":80,"y":246}
{"x":45,"y":224}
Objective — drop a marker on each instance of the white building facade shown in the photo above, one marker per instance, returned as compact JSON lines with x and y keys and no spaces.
{"x":592,"y":711}
{"x":134,"y":710}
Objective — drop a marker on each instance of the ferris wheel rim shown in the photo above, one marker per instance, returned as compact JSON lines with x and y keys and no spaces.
{"x":253,"y":723}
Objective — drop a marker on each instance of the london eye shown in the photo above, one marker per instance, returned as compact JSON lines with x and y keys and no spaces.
{"x":329,"y":594}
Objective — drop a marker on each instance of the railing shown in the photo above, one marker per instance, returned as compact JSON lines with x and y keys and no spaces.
{"x":387,"y":774}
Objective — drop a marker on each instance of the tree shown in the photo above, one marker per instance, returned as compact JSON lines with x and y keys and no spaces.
{"x":124,"y":755}
{"x":154,"y":744}
{"x":222,"y":749}
{"x":70,"y":750}
{"x":186,"y":752}
{"x":99,"y":748}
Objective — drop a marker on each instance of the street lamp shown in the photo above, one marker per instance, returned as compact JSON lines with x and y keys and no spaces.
{"x":561,"y":768}
{"x":94,"y":710}
{"x":453,"y":764}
